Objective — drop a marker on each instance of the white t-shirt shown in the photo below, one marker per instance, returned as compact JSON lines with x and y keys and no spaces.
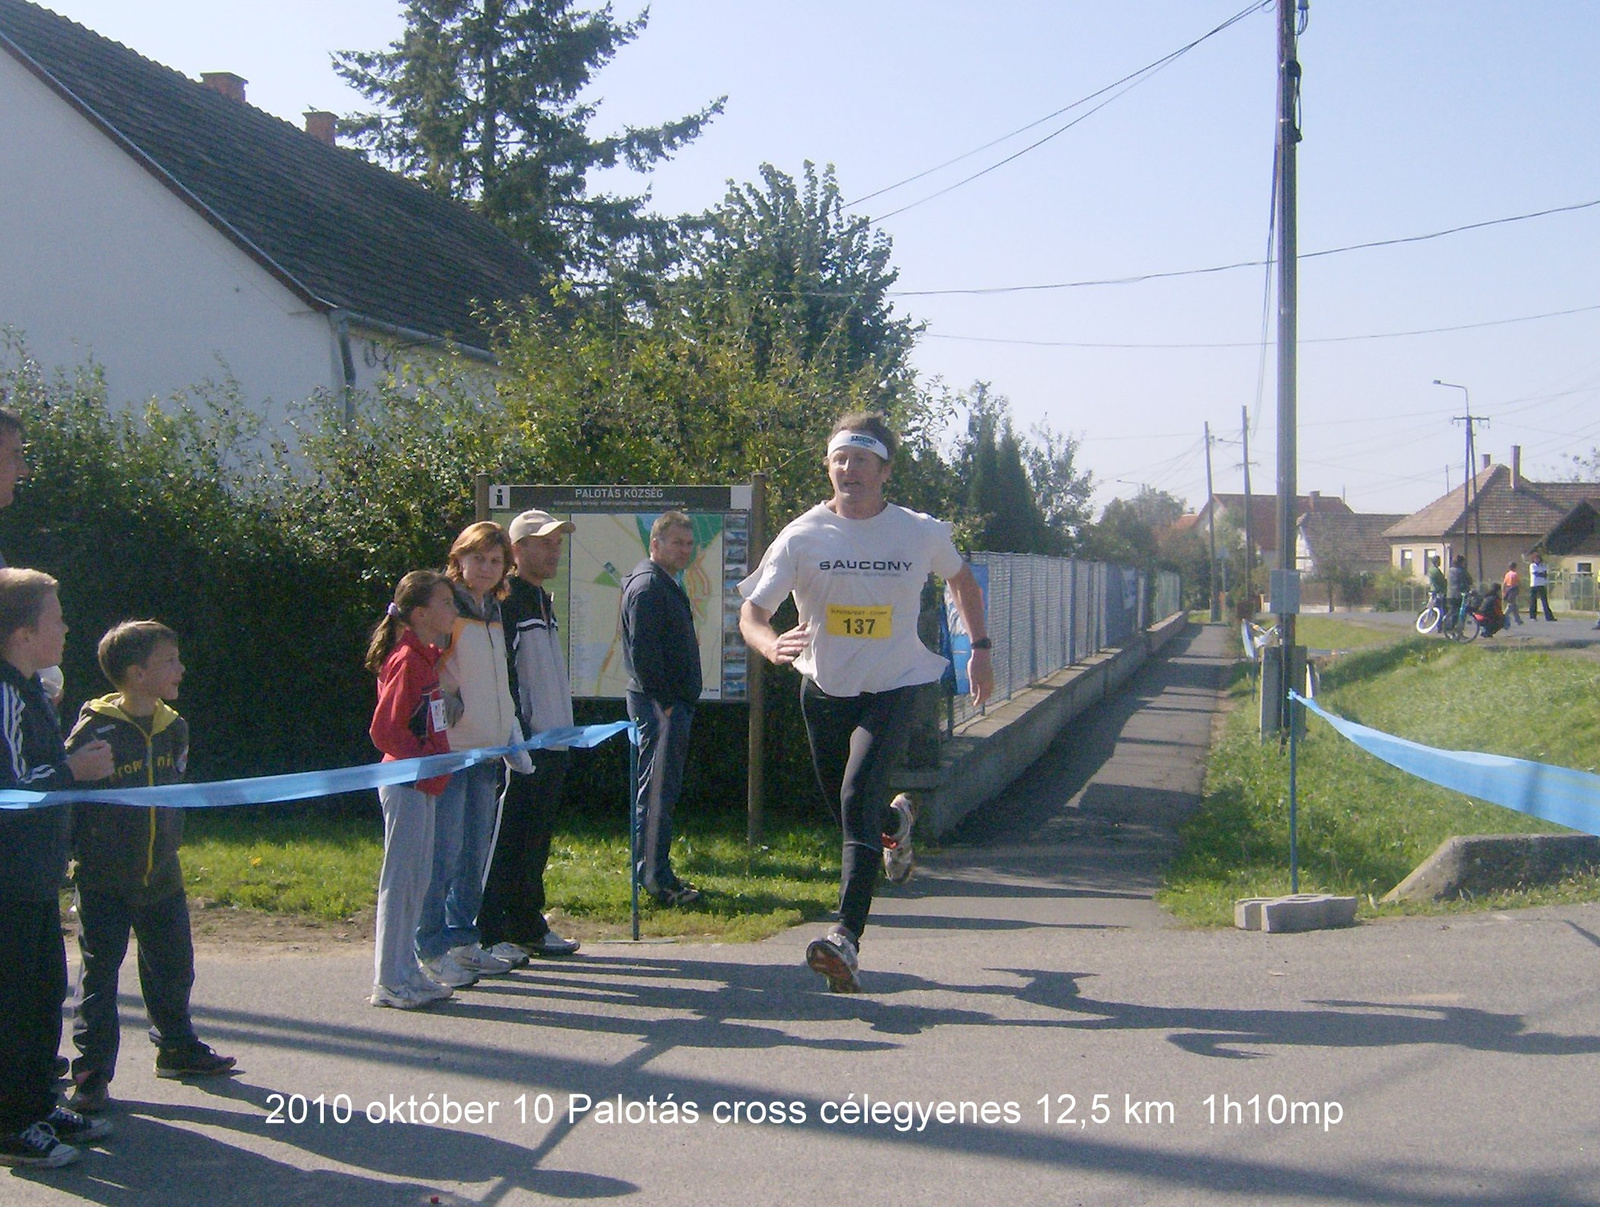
{"x":858,"y":585}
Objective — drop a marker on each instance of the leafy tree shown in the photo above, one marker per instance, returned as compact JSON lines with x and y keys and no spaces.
{"x":1123,"y":535}
{"x":781,"y":266}
{"x":479,"y":99}
{"x":1585,"y":469}
{"x":1064,"y":494}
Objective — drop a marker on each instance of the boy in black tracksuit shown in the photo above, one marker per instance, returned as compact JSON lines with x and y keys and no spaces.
{"x":128,"y":875}
{"x":34,"y":1131}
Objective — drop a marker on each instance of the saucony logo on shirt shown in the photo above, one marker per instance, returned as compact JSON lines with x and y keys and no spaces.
{"x":843,"y":563}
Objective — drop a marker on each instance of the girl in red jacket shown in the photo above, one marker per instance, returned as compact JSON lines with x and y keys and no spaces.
{"x":409,"y":722}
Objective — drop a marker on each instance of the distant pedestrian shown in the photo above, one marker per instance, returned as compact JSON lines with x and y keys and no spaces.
{"x":1460,"y":582}
{"x":409,"y":722}
{"x":514,"y":895}
{"x":1509,"y":586}
{"x":662,"y":655}
{"x":1538,"y":587}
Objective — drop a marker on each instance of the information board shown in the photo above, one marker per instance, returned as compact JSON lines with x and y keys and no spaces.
{"x":611,"y":535}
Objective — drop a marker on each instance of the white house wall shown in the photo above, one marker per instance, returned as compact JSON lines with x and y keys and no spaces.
{"x":100,"y":260}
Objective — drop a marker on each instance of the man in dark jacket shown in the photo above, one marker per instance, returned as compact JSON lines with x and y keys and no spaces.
{"x":662,"y":658}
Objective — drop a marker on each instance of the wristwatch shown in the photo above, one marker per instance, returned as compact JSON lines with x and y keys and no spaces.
{"x":983,"y":643}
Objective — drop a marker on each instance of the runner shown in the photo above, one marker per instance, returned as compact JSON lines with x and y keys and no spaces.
{"x":856,"y":566}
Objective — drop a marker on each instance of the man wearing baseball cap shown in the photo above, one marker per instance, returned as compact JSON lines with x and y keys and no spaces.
{"x":513,"y":897}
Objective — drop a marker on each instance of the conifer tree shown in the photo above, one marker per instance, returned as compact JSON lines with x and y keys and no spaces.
{"x":479,"y":99}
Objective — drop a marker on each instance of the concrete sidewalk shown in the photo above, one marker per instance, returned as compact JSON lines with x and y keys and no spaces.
{"x":1043,"y":1034}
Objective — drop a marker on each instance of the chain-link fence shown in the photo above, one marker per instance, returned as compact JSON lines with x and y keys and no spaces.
{"x":1046,"y":613}
{"x":1573,"y":590}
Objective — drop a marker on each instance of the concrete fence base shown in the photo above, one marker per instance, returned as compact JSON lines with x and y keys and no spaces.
{"x":1487,"y":863}
{"x":987,"y":753}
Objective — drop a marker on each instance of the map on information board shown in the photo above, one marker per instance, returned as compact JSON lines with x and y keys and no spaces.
{"x":611,"y":535}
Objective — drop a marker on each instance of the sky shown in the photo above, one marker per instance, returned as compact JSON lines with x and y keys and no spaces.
{"x":1416,"y":118}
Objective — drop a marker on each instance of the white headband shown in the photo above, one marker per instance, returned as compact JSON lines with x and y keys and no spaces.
{"x":858,"y":440}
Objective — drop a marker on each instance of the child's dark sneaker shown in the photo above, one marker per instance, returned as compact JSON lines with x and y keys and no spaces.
{"x":192,"y":1060}
{"x":38,"y":1147}
{"x":72,"y":1128}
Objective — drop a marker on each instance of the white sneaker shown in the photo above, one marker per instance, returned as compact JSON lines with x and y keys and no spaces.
{"x":428,"y":989}
{"x":449,"y":972}
{"x":834,"y":956}
{"x":513,"y":955}
{"x":470,"y":955}
{"x":899,"y":860}
{"x":399,"y":997}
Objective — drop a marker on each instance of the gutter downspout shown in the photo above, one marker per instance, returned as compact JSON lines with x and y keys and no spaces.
{"x":341,"y":330}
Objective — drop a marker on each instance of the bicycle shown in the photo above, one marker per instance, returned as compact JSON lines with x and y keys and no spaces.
{"x":1429,"y":618}
{"x":1467,"y":626}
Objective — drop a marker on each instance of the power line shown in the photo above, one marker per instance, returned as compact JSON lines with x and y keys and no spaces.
{"x":1125,"y":84}
{"x":1039,"y":121}
{"x":1140,"y":278}
{"x":1326,"y":339}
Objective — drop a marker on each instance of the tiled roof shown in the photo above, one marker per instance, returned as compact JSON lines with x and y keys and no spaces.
{"x":1529,"y":511}
{"x":1264,"y":513}
{"x":1578,"y":531}
{"x":342,"y":232}
{"x":1351,"y":537}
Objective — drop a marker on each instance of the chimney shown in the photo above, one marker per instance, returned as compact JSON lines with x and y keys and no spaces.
{"x":1485,"y":458}
{"x":1516,"y":466}
{"x":1316,"y":497}
{"x":225,"y":82}
{"x":320,"y":124}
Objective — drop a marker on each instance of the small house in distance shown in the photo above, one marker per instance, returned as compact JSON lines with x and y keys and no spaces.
{"x":1507,"y":520}
{"x":1342,"y":551}
{"x":174,"y":234}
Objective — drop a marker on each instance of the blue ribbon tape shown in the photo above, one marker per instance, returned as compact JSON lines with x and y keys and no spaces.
{"x":1559,"y":794}
{"x":299,"y":785}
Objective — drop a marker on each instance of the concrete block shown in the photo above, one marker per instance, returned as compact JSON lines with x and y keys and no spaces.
{"x":1247,"y":912}
{"x":1297,"y":912}
{"x":1486,"y":863}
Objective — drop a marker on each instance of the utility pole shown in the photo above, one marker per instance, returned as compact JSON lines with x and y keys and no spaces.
{"x":1469,"y":483}
{"x":1211,"y":530}
{"x":1249,"y":526}
{"x":1288,"y":288}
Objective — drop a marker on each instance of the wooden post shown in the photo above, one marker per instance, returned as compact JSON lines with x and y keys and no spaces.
{"x":480,"y":497}
{"x":755,"y":678}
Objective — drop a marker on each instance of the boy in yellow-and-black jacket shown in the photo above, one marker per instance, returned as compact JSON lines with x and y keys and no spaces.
{"x":128,"y":875}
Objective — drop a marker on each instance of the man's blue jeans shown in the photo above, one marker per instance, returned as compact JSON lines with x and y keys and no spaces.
{"x":663,"y":750}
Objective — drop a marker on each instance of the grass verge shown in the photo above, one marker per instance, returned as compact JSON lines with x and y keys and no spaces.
{"x":1363,"y":826}
{"x":324,"y":865}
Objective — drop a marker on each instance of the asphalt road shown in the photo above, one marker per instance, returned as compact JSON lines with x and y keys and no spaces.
{"x":1033,"y":1031}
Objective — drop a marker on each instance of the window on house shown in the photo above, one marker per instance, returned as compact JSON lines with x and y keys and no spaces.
{"x":1407,"y":564}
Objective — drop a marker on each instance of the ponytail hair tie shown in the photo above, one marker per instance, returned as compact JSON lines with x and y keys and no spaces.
{"x":394,"y":610}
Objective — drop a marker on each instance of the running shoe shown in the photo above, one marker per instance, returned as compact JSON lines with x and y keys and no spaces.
{"x":37,"y":1146}
{"x":193,"y":1059}
{"x":834,"y":956}
{"x":410,"y":997}
{"x":448,"y":971}
{"x":485,"y":963}
{"x":550,"y":944}
{"x":72,"y":1128}
{"x":899,"y":860}
{"x":678,"y":894}
{"x":511,"y":953}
